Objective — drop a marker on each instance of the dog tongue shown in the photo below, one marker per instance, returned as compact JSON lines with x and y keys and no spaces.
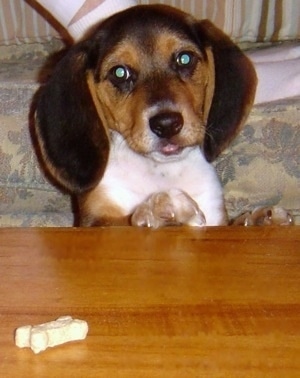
{"x":169,"y":149}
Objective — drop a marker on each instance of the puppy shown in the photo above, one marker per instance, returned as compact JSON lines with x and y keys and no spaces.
{"x":133,"y":116}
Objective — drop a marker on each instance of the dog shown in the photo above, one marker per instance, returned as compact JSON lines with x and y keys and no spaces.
{"x":133,"y":115}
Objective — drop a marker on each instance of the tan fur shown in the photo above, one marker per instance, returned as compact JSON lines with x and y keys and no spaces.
{"x":210,"y":87}
{"x":96,"y":202}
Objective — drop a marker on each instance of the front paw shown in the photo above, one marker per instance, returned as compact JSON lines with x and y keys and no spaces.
{"x":265,"y":216}
{"x":168,"y":209}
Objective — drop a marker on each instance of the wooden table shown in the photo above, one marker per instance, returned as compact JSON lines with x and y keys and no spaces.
{"x":175,"y":302}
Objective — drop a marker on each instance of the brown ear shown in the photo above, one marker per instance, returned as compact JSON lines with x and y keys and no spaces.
{"x":71,"y":136}
{"x":234,"y":90}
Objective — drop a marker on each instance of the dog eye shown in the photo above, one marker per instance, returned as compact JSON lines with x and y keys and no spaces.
{"x":122,"y":77}
{"x":184,"y":63}
{"x":184,"y":59}
{"x":121,"y":73}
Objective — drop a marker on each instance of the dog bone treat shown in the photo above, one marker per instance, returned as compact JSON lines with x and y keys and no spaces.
{"x":42,"y":336}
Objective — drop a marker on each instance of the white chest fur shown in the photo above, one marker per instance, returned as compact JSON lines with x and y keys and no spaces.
{"x":131,"y":178}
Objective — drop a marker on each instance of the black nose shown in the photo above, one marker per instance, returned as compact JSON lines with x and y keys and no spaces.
{"x":166,"y":125}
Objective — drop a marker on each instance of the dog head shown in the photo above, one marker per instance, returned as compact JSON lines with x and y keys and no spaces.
{"x":156,"y":76}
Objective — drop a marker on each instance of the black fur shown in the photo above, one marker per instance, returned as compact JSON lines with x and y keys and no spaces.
{"x":68,"y":124}
{"x":235,"y":85}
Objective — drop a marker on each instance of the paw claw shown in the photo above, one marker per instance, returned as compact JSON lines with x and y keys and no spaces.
{"x":168,"y":208}
{"x":143,"y":217}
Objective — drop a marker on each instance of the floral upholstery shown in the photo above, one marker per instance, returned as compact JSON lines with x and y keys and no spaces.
{"x":26,"y":197}
{"x":261,"y":167}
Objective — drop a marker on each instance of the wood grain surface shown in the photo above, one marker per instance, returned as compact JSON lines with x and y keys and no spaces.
{"x":174,"y":302}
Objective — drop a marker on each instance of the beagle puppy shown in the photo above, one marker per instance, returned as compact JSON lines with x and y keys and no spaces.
{"x":132,"y":117}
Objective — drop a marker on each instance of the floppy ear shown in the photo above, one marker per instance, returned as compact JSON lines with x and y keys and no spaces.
{"x":234,"y":89}
{"x":72,"y":139}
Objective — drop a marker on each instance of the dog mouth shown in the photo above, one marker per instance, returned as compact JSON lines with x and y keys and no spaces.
{"x":168,"y":151}
{"x":168,"y":148}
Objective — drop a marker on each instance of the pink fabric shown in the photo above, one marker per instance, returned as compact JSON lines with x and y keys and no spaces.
{"x":64,"y":11}
{"x":278,"y":71}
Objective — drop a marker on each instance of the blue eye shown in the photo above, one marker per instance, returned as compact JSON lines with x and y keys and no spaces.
{"x":184,"y":59}
{"x":122,"y":77}
{"x":184,"y":63}
{"x":121,"y":73}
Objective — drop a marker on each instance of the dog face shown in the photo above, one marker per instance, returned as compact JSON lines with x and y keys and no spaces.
{"x":155,"y":91}
{"x":154,"y":75}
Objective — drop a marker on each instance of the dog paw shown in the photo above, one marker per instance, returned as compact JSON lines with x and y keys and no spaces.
{"x":265,"y":216}
{"x":171,"y":208}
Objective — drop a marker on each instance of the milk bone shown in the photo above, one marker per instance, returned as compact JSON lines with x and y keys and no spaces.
{"x":42,"y":336}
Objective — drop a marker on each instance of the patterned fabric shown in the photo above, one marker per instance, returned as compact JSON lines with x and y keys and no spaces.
{"x":243,"y":20}
{"x":26,"y":197}
{"x":262,"y":167}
